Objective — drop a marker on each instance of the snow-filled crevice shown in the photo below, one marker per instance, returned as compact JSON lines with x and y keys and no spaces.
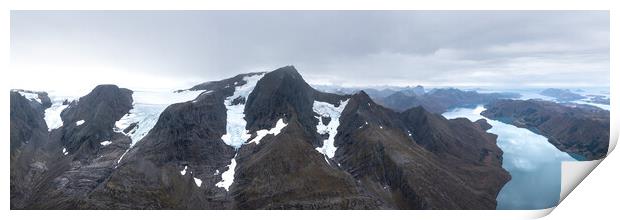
{"x":326,"y":110}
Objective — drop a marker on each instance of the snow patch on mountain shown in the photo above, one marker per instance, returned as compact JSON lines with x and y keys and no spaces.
{"x":326,"y":110}
{"x":197,"y":181}
{"x":105,"y":143}
{"x":184,"y":171}
{"x":228,"y":177}
{"x":80,"y":122}
{"x":236,"y":134}
{"x":147,"y":107}
{"x":260,"y":134}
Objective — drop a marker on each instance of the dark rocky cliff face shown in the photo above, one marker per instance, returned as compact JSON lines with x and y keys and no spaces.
{"x":90,"y":120}
{"x":186,"y":137}
{"x":384,"y":159}
{"x":582,"y":131}
{"x":388,"y":154}
{"x":28,"y":138}
{"x":71,"y":158}
{"x":285,"y":171}
{"x":283,"y":93}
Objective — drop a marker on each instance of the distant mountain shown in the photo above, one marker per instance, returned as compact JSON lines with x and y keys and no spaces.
{"x":264,"y":140}
{"x":440,"y":100}
{"x":597,"y":99}
{"x":580,"y":130}
{"x":563,"y":95}
{"x":375,"y":93}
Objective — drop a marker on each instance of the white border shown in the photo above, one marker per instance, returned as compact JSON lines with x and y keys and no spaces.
{"x":605,"y":177}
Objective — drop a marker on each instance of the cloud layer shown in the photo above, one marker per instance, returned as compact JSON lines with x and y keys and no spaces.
{"x":353,"y":48}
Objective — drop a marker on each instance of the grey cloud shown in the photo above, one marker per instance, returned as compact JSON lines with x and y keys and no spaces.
{"x":495,"y":48}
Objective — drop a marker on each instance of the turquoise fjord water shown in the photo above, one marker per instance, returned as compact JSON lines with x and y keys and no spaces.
{"x":533,"y":163}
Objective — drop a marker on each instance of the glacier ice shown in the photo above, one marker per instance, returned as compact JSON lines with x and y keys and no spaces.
{"x":52,"y":115}
{"x":147,"y":106}
{"x":236,"y":135}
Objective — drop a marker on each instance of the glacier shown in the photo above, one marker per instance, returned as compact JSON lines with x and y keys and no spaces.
{"x":52,"y":115}
{"x":147,"y":106}
{"x":236,"y":135}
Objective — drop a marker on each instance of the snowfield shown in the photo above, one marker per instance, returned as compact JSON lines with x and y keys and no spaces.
{"x":327,"y":110}
{"x":260,"y":134}
{"x":228,"y":177}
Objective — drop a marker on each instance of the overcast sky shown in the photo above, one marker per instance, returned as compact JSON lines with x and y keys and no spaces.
{"x":351,"y":48}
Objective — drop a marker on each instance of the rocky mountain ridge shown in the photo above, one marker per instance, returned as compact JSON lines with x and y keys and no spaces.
{"x":263,"y":140}
{"x":580,"y":130}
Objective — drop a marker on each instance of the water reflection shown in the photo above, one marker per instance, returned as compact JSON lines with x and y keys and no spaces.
{"x":533,"y":163}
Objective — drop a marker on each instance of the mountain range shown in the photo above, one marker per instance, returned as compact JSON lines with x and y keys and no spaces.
{"x":264,"y":140}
